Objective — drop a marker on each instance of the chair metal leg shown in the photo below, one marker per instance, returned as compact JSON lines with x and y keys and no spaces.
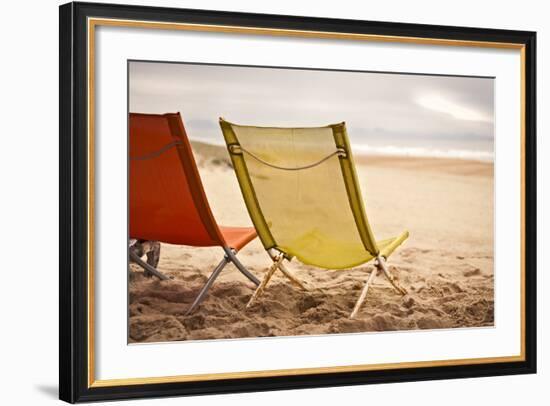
{"x":231,"y":255}
{"x":202,"y":294}
{"x":146,"y":266}
{"x":389,"y":276}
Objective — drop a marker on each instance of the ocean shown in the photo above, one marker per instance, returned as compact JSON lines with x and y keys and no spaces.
{"x":466,"y":147}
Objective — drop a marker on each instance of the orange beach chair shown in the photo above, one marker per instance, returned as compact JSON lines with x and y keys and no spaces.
{"x":167,"y":200}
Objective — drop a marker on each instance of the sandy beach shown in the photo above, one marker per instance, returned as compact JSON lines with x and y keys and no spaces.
{"x":446,"y":264}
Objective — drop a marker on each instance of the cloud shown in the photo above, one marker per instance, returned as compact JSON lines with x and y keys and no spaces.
{"x":372,"y":104}
{"x":439,"y":103}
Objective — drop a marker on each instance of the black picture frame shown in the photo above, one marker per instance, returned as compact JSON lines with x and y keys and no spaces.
{"x":73,"y":255}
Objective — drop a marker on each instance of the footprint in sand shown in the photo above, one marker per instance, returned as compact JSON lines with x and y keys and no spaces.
{"x":195,"y":276}
{"x":472,"y":272}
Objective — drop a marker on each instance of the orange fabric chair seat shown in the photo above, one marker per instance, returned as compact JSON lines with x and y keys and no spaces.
{"x":167,"y":199}
{"x":238,"y":237}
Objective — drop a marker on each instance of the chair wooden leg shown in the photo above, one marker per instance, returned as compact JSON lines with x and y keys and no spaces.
{"x":363,"y":294}
{"x":380,"y":265}
{"x":389,"y":276}
{"x":259,"y":290}
{"x":291,"y":277}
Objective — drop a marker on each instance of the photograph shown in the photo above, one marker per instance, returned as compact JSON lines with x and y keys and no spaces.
{"x":271,"y":201}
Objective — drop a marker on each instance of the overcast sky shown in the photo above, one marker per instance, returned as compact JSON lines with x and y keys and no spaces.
{"x":376,"y":107}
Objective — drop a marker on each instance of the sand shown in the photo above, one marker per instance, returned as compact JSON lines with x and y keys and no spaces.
{"x":446,"y":265}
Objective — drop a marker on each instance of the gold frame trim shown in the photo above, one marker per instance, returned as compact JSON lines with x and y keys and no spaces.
{"x":94,"y":22}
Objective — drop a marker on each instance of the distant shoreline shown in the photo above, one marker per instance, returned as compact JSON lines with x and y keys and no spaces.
{"x":218,"y":150}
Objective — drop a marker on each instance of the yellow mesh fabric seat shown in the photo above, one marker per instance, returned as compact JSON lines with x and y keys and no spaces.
{"x":301,"y":191}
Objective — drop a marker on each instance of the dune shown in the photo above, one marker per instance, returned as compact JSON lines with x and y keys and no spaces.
{"x":446,"y":265}
{"x":210,"y":156}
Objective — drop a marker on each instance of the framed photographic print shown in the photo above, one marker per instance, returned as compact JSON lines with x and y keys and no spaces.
{"x":256,"y":202}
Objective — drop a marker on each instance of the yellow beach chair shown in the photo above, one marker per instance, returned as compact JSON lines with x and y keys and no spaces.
{"x":302,"y":194}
